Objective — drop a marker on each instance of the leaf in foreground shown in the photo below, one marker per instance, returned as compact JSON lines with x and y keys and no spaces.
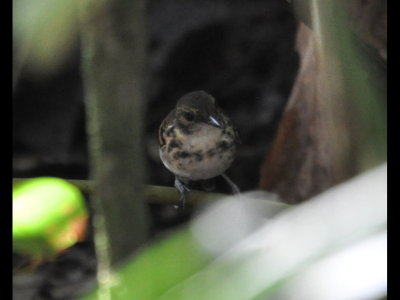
{"x":204,"y":261}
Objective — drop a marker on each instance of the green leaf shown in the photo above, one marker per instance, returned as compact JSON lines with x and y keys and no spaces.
{"x":158,"y":268}
{"x":44,"y":32}
{"x":49,"y":215}
{"x":245,"y":249}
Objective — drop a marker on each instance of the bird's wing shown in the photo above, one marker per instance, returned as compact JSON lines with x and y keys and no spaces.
{"x":164,"y":124}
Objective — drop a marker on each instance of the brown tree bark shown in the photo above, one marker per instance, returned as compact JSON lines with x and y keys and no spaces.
{"x":317,"y":144}
{"x":297,"y":165}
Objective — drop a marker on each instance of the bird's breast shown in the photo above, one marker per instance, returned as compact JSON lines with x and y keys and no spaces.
{"x":206,"y":152}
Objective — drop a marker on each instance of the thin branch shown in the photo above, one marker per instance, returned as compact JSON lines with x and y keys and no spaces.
{"x":153,"y":194}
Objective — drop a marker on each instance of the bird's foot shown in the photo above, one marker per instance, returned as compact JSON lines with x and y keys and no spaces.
{"x":182,"y":188}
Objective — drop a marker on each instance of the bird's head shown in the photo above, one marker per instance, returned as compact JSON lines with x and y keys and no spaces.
{"x":197,"y":107}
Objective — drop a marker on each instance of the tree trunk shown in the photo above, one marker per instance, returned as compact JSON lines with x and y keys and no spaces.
{"x":113,"y":49}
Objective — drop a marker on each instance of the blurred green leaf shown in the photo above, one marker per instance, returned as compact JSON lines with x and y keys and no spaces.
{"x":265,"y":260}
{"x":49,"y":215}
{"x":158,"y":268}
{"x":346,"y":66}
{"x":44,"y":33}
{"x":262,"y":258}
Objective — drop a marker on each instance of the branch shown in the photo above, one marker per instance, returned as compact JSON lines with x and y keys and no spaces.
{"x":153,"y":194}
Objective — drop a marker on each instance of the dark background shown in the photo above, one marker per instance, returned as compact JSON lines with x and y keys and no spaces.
{"x":241,"y":52}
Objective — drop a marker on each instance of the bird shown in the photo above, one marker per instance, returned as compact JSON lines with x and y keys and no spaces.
{"x":197,"y":141}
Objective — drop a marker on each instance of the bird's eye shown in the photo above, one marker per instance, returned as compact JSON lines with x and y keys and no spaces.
{"x":189,"y":116}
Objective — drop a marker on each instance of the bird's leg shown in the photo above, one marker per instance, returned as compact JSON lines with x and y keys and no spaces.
{"x":180,"y":185}
{"x":234,"y":187}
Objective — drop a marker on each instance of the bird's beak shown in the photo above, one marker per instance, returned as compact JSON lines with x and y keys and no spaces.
{"x":213,"y":121}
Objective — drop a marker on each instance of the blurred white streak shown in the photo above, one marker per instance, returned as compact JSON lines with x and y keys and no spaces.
{"x":357,"y":272}
{"x":255,"y":263}
{"x":233,"y":218}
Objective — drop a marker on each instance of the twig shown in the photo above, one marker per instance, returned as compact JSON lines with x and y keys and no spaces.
{"x":153,"y":194}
